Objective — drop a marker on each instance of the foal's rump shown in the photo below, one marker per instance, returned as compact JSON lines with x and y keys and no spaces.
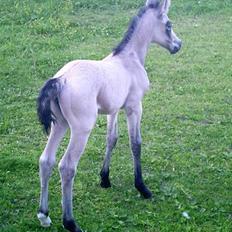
{"x":71,"y":95}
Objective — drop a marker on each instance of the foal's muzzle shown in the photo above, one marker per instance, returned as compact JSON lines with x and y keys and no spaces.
{"x":176,"y":47}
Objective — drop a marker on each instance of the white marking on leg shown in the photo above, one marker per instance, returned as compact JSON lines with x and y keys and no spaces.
{"x":45,"y":221}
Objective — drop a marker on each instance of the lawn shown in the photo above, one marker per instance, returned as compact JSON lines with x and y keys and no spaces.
{"x":186,"y":126}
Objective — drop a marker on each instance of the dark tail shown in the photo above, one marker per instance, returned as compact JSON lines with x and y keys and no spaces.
{"x":49,"y":92}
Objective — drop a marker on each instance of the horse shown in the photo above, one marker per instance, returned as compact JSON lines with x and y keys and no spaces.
{"x":82,"y":89}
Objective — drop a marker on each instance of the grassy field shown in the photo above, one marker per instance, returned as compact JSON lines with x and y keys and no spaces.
{"x":186,"y":127}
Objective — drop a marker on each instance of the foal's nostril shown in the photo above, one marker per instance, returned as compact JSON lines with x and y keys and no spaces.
{"x":175,"y":49}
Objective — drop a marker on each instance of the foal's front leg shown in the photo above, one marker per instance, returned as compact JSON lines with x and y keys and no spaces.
{"x":133,"y":120}
{"x":112,"y":136}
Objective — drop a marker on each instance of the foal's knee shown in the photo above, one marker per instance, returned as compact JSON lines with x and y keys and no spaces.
{"x":67,"y":173}
{"x":46,"y":163}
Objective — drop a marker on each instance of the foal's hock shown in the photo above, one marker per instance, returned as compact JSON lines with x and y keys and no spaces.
{"x":82,"y":89}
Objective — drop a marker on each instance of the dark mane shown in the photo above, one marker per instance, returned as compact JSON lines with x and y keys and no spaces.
{"x":131,"y":29}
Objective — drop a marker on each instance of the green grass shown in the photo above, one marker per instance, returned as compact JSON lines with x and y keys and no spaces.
{"x":186,"y":127}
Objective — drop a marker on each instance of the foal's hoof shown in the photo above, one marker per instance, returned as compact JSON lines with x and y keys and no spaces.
{"x":70,"y":225}
{"x":105,"y":183}
{"x":45,"y":220}
{"x":144,"y":191}
{"x":147,"y":194}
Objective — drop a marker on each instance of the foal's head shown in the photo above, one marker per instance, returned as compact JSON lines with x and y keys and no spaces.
{"x":163,"y":33}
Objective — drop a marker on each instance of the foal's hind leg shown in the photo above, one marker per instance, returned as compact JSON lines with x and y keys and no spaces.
{"x":67,"y":167}
{"x":112,"y":136}
{"x":46,"y":162}
{"x":133,"y":119}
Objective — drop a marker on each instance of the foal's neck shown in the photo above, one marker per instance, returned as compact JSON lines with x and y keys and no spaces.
{"x":141,"y":39}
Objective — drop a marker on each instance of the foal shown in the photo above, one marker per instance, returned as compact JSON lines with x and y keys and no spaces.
{"x":82,"y":89}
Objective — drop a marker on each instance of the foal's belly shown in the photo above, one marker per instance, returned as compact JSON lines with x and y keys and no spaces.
{"x":106,"y":110}
{"x":110,"y":106}
{"x":111,"y":100}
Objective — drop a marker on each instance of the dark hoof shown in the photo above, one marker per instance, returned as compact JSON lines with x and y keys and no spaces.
{"x":70,"y":225}
{"x":144,"y":191}
{"x":105,"y":183}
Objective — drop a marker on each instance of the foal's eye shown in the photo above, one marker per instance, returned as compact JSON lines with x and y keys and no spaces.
{"x":168,"y":26}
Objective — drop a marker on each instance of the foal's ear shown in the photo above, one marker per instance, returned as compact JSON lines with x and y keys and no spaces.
{"x":164,"y":8}
{"x":155,"y":3}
